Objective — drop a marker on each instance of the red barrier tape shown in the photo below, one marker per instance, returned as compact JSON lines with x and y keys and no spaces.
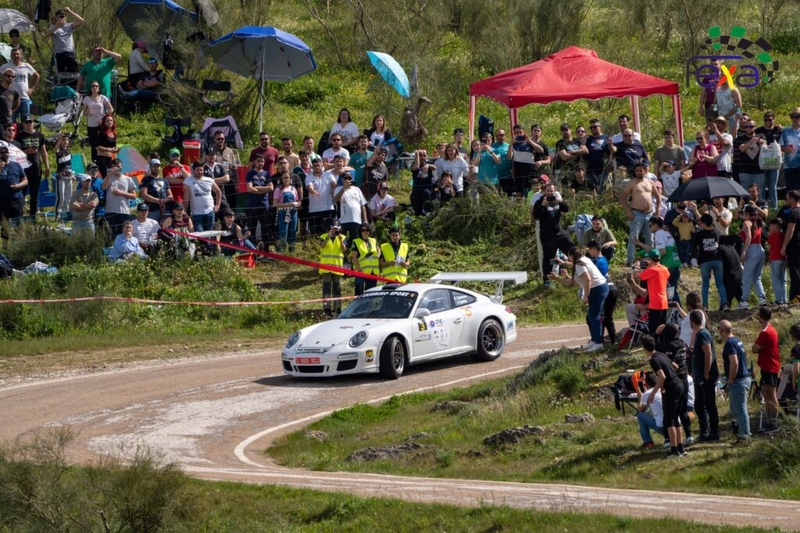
{"x":168,"y":302}
{"x":286,"y":258}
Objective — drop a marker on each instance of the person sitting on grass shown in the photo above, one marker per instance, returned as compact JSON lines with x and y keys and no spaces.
{"x":654,"y":419}
{"x":145,"y":229}
{"x":126,"y":245}
{"x":233,"y":234}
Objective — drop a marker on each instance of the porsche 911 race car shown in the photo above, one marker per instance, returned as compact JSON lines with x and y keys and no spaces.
{"x":395,"y":325}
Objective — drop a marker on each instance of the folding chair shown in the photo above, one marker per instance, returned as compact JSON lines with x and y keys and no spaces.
{"x":216,"y":86}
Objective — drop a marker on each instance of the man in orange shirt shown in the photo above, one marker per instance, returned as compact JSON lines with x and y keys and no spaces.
{"x":655,"y":276}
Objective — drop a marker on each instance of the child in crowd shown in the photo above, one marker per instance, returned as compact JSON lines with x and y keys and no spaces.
{"x":685,"y":226}
{"x":444,"y":190}
{"x":670,"y":177}
{"x":579,"y":183}
{"x":777,"y":262}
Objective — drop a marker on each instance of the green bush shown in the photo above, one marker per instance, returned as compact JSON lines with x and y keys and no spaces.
{"x":485,"y":216}
{"x":569,"y":380}
{"x":40,"y":491}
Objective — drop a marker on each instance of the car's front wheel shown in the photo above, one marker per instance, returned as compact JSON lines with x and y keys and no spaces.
{"x":491,"y":340}
{"x":393,"y":358}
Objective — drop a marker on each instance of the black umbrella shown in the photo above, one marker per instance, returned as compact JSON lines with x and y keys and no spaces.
{"x":707,"y":188}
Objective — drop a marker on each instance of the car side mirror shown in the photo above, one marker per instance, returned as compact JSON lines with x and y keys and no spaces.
{"x":422,"y":312}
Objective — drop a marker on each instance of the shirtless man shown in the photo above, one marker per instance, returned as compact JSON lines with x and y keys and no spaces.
{"x":637,"y":201}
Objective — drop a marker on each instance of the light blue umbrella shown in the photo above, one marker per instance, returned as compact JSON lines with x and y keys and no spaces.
{"x":391,"y":71}
{"x":263,"y":53}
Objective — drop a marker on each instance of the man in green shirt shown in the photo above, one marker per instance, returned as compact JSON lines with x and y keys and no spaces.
{"x":99,"y":69}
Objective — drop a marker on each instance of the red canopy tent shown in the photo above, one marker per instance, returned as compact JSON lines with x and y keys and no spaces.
{"x":568,"y":75}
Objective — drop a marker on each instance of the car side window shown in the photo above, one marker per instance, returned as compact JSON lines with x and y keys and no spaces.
{"x":461,"y":299}
{"x":436,"y":301}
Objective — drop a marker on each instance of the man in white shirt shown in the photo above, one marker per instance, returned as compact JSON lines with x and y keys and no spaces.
{"x":622,"y":120}
{"x":320,"y":186}
{"x":334,"y":150}
{"x":654,"y":420}
{"x":145,"y":229}
{"x":352,"y":206}
{"x":63,"y":43}
{"x":26,"y":79}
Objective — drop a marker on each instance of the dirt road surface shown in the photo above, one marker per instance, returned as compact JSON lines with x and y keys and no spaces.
{"x":214,"y":415}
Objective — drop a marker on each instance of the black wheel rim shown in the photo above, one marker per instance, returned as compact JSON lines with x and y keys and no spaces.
{"x":492,"y":339}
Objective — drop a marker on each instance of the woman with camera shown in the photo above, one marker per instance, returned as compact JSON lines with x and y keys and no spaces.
{"x":594,"y":290}
{"x":547,"y":211}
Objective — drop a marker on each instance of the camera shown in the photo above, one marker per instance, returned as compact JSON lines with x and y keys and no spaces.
{"x":519,"y":138}
{"x":550,"y":197}
{"x":629,"y":276}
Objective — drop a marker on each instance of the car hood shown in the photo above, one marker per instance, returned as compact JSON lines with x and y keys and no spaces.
{"x":322,"y":337}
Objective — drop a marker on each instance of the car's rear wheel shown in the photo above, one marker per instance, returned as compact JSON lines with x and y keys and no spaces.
{"x":491,"y":340}
{"x":393,"y":358}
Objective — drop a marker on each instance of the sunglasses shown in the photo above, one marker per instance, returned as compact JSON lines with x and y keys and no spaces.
{"x":9,"y":76}
{"x":700,"y":138}
{"x":593,"y":126}
{"x":750,"y":126}
{"x":794,"y":116}
{"x":264,"y":139}
{"x":628,"y":136}
{"x":581,"y":131}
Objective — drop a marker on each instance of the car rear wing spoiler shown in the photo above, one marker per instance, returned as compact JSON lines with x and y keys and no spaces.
{"x":499,"y":278}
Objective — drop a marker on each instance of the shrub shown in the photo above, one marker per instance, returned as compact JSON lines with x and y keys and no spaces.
{"x":569,"y":380}
{"x":40,"y":491}
{"x":485,"y":216}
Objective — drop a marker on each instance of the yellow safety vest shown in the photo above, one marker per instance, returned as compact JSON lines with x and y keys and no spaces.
{"x":394,"y":271}
{"x":368,"y":255}
{"x":331,"y":254}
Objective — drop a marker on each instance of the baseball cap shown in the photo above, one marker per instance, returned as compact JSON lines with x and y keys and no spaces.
{"x":27,"y":118}
{"x":688,"y":214}
{"x":143,"y":207}
{"x":545,"y":178}
{"x":458,"y":130}
{"x":565,"y":126}
{"x":155,"y":161}
{"x":141,"y":44}
{"x":174,"y":151}
{"x":92,"y":167}
{"x":335,"y":223}
{"x":86,"y":177}
{"x":384,"y":186}
{"x":750,"y":209}
{"x":177,"y":205}
{"x":670,"y":162}
{"x":209,"y":150}
{"x":653,"y":254}
{"x":347,"y":176}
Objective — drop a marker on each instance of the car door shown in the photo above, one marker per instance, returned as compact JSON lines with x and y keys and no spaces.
{"x":443,"y":326}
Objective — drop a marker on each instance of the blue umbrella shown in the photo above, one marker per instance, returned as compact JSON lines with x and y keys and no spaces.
{"x":151,"y":20}
{"x":391,"y":71}
{"x":263,"y":54}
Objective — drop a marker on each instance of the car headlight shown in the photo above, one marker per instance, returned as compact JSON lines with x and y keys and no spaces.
{"x":358,"y":339}
{"x":293,"y":339}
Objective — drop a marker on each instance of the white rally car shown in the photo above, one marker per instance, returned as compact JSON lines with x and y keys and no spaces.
{"x":395,"y":325}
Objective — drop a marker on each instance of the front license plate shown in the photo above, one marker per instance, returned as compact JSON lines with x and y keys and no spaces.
{"x":307,"y":360}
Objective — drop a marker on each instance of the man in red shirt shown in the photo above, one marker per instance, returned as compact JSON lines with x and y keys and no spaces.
{"x":270,"y":153}
{"x":769,"y":361}
{"x":655,"y":276}
{"x":175,"y":172}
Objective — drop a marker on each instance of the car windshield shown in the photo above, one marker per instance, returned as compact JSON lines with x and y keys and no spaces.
{"x":381,"y":304}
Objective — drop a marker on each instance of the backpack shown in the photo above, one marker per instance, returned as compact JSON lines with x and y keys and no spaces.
{"x":6,"y":268}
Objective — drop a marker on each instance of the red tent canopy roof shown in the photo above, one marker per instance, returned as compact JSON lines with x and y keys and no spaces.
{"x":571,"y":74}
